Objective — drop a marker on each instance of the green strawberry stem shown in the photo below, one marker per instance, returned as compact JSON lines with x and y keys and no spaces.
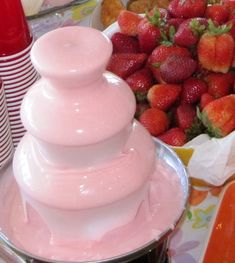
{"x":218,"y":30}
{"x":171,"y":33}
{"x":196,"y":129}
{"x":157,"y":64}
{"x":212,"y":2}
{"x":196,"y":27}
{"x":155,"y":19}
{"x":168,"y":41}
{"x":140,"y":97}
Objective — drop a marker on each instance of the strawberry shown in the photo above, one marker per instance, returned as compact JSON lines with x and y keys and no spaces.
{"x":155,"y":121}
{"x":177,"y":68}
{"x":192,"y":90}
{"x":216,"y":48}
{"x":233,"y":62}
{"x":174,"y":137}
{"x":205,"y":99}
{"x":187,"y":8}
{"x":217,"y":13}
{"x":124,"y":44}
{"x":160,"y":54}
{"x":175,"y":22}
{"x":189,"y":31}
{"x":219,"y":84}
{"x":219,"y":116}
{"x":229,"y":3}
{"x":128,"y":22}
{"x":163,"y":96}
{"x":141,"y":80}
{"x":232,"y":14}
{"x":185,"y":116}
{"x":125,"y":64}
{"x":149,"y":32}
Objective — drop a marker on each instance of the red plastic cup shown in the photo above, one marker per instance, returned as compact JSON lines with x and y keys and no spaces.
{"x":15,"y":35}
{"x":6,"y":143}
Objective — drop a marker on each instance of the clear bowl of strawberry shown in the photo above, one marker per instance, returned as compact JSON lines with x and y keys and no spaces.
{"x":179,"y":62}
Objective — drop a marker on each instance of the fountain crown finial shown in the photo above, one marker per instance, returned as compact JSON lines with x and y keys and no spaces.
{"x":71,"y":56}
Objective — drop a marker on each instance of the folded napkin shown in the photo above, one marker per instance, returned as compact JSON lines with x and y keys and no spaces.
{"x":213,"y":159}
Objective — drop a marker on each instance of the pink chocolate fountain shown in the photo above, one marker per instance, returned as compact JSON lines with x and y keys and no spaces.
{"x":87,"y":173}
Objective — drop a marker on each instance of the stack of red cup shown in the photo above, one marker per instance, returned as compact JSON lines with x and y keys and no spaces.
{"x":6,"y":144}
{"x":16,"y":69}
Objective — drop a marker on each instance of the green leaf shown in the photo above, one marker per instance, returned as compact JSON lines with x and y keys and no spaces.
{"x":171,"y":33}
{"x":197,"y":27}
{"x":189,"y":215}
{"x":218,"y":30}
{"x":140,"y":97}
{"x":155,"y":19}
{"x":156,"y":64}
{"x":165,"y":41}
{"x":196,"y":129}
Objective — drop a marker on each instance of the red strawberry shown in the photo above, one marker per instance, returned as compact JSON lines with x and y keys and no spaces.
{"x":219,"y":116}
{"x":193,"y":88}
{"x":124,"y":44}
{"x":205,"y":99}
{"x":125,"y":64}
{"x":155,"y":121}
{"x":141,"y":80}
{"x":128,"y":22}
{"x":189,"y":31}
{"x":217,"y":13}
{"x":233,"y":62}
{"x":176,"y":68}
{"x":160,"y":54}
{"x":229,"y":3}
{"x":174,"y":137}
{"x":232,"y":14}
{"x":187,"y":8}
{"x":185,"y":116}
{"x":163,"y":96}
{"x":216,"y":48}
{"x":149,"y":33}
{"x":175,"y":22}
{"x":219,"y":84}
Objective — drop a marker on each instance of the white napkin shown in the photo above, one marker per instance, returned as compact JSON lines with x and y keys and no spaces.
{"x":213,"y":159}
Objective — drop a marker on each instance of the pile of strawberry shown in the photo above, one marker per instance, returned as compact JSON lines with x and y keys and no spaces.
{"x":179,"y":63}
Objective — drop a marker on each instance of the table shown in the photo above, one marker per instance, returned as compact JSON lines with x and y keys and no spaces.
{"x":188,"y":241}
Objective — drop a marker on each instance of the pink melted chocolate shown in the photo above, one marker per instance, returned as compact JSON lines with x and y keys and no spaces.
{"x":155,"y":216}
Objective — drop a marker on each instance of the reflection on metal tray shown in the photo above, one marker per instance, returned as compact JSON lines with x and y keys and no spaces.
{"x":157,"y":255}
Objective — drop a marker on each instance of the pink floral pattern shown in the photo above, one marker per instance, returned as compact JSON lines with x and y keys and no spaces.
{"x":179,"y":251}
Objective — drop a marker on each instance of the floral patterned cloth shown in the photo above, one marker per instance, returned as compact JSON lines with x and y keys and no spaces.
{"x":188,"y":241}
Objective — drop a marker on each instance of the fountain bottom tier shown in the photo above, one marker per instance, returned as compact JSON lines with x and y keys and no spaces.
{"x":155,"y":219}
